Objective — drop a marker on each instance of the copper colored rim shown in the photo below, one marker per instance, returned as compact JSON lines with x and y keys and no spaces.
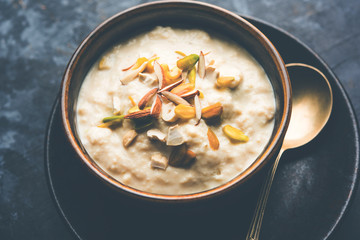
{"x":242,"y":177}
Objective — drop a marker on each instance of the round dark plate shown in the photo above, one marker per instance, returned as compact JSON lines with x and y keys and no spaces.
{"x":310,"y":194}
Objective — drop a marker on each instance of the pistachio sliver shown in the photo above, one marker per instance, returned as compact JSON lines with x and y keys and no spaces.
{"x":112,"y":118}
{"x":192,"y":75}
{"x":187,"y":62}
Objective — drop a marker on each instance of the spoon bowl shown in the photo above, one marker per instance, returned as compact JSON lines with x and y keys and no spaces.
{"x":312,"y":102}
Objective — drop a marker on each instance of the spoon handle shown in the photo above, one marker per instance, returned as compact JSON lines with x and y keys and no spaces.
{"x":254,"y":230}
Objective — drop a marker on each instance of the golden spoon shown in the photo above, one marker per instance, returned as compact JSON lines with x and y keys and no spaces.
{"x":312,"y":102}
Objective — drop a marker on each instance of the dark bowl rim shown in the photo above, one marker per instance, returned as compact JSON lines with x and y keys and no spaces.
{"x":272,"y":148}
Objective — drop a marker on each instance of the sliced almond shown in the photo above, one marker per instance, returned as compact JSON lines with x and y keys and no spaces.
{"x":129,"y":138}
{"x":175,"y":98}
{"x":156,"y":134}
{"x":171,"y":86}
{"x":184,"y":75}
{"x":138,"y":114}
{"x":201,"y":65}
{"x":183,"y":88}
{"x":159,"y":161}
{"x":159,"y":71}
{"x":174,"y":137}
{"x":145,"y":99}
{"x":190,"y":94}
{"x":147,"y":79}
{"x":197,"y":106}
{"x":213,"y":140}
{"x":156,"y":107}
{"x":212,"y":111}
{"x":133,"y":74}
{"x":168,"y":112}
{"x":116,"y":105}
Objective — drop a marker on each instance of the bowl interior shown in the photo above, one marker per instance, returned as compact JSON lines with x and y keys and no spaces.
{"x":212,"y":19}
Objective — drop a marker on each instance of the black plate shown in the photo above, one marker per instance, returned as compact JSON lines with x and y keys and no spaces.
{"x":311,"y":191}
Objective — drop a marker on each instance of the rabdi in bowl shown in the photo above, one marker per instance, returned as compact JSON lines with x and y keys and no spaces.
{"x":176,"y":110}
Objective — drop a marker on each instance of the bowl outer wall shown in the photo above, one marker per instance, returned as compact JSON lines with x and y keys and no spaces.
{"x":179,"y":14}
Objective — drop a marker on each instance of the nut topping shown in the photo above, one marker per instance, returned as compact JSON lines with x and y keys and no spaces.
{"x":201,"y":65}
{"x":234,"y":134}
{"x":212,"y":111}
{"x":138,"y":114}
{"x":156,"y":134}
{"x":159,"y":161}
{"x":175,"y":98}
{"x":213,"y":140}
{"x":184,"y":112}
{"x":145,"y":99}
{"x":129,"y":138}
{"x":174,"y":137}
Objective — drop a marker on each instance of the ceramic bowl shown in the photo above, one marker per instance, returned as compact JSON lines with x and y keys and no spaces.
{"x":187,"y":14}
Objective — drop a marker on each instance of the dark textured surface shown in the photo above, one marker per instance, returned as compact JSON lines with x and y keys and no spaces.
{"x":37,"y":39}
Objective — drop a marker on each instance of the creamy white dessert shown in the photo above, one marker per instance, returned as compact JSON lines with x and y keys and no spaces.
{"x":206,"y":111}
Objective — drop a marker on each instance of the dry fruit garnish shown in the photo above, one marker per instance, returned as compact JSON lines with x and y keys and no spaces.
{"x":235,"y":134}
{"x":139,"y":62}
{"x":156,"y":107}
{"x":190,"y":94}
{"x":171,"y":86}
{"x":184,"y":112}
{"x":160,"y":74}
{"x":201,"y":65}
{"x":103,"y":64}
{"x":187,"y":62}
{"x":212,"y":111}
{"x":168,"y":112}
{"x":129,"y":138}
{"x":183,"y":88}
{"x":116,"y":105}
{"x":213,"y":140}
{"x":228,"y":81}
{"x":150,"y":65}
{"x":172,"y":75}
{"x":180,"y":53}
{"x":181,"y":156}
{"x":156,"y":134}
{"x":197,"y":106}
{"x":111,"y":121}
{"x":159,"y":161}
{"x":192,"y":76}
{"x":175,"y":98}
{"x":133,"y":74}
{"x":174,"y":137}
{"x":145,"y":99}
{"x":138,"y":114}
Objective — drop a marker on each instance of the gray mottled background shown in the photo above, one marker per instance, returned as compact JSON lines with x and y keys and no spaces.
{"x":37,"y":39}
